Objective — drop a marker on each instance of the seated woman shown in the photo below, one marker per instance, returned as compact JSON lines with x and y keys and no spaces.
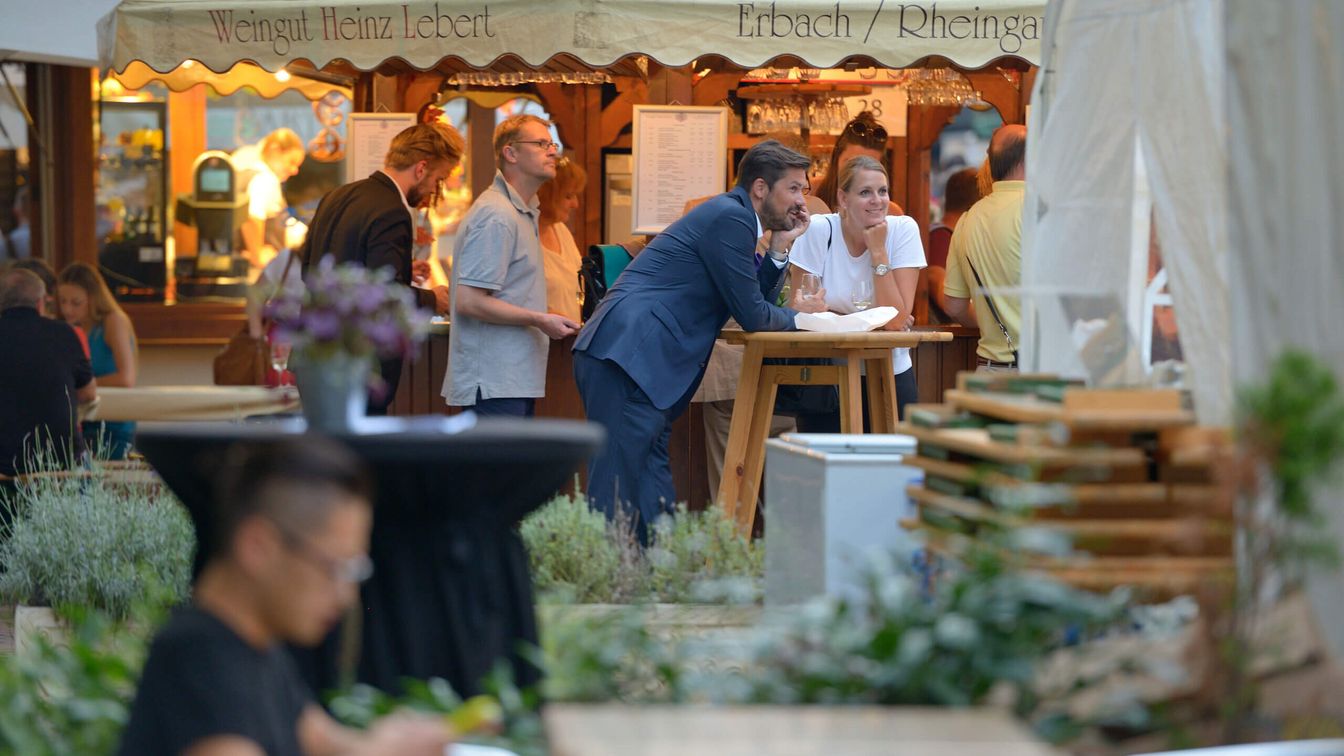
{"x":862,"y":136}
{"x":86,"y":303}
{"x":559,"y":197}
{"x":863,"y":244}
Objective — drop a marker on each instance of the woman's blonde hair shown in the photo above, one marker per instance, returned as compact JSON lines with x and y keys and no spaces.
{"x":87,"y":277}
{"x":851,"y":169}
{"x":569,"y":175}
{"x":281,"y":140}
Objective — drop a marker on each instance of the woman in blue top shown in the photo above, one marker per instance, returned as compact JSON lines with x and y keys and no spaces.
{"x":86,"y":302}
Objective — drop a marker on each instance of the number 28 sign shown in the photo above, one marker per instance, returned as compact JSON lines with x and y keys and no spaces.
{"x":887,"y":104}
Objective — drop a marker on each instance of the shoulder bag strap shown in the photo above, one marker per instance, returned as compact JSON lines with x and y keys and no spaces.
{"x":989,"y":300}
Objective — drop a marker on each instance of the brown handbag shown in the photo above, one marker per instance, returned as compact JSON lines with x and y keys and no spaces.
{"x":244,"y":360}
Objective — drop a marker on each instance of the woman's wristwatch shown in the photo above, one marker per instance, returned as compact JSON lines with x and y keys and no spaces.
{"x":881,"y":269}
{"x":778,"y":255}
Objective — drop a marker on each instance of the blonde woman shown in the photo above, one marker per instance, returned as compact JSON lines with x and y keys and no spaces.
{"x":86,"y":303}
{"x":559,"y":198}
{"x":865,"y":257}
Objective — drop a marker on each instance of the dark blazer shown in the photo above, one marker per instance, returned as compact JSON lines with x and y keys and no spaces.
{"x":660,"y":318}
{"x":365,"y":222}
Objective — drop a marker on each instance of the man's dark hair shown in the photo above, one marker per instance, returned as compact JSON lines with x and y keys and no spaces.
{"x":289,"y":482}
{"x":1012,"y":150}
{"x":768,"y":160}
{"x":961,"y":191}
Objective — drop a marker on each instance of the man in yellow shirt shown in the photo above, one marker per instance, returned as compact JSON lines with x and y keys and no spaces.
{"x":986,"y":254}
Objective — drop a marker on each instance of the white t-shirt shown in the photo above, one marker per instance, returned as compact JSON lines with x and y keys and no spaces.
{"x":264,"y":197}
{"x":840,"y":270}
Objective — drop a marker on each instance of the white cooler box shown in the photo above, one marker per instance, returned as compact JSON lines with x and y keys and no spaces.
{"x":830,"y":500}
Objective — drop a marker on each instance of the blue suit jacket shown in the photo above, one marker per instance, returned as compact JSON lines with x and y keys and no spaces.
{"x":660,"y":319}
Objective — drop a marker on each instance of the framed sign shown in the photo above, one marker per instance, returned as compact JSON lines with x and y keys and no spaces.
{"x":680,"y":154}
{"x":367,"y":138}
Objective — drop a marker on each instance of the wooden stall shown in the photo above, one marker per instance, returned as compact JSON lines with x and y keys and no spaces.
{"x":587,"y":68}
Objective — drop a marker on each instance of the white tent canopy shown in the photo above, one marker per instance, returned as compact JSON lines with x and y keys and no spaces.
{"x":1219,"y":120}
{"x":366,"y":33}
{"x":1127,"y":128}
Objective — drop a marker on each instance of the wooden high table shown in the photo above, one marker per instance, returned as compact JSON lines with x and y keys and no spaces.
{"x":744,"y":458}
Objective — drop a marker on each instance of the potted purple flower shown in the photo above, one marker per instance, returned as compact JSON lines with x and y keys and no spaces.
{"x":345,"y":316}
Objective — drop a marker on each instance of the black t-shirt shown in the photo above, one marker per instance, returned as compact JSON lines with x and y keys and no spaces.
{"x":202,"y":680}
{"x":42,"y":368}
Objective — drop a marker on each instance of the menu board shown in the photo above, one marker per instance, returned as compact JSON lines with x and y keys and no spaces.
{"x":680,"y":154}
{"x":367,"y":138}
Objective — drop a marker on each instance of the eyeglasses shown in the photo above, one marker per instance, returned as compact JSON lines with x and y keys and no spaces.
{"x":546,"y":145}
{"x":866,"y":130}
{"x":353,"y":570}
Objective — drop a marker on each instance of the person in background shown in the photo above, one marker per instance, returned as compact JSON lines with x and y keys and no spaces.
{"x":43,"y":378}
{"x":500,"y":338}
{"x":559,"y":198}
{"x":861,"y":245}
{"x":986,"y":254}
{"x":962,"y":191}
{"x":51,"y":309}
{"x":21,"y":238}
{"x":641,"y":356}
{"x":288,"y":549}
{"x":261,"y":169}
{"x":368,"y":222}
{"x":86,"y":303}
{"x":863,"y":135}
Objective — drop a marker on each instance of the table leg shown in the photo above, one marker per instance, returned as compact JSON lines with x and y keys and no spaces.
{"x":735,"y":454}
{"x":755,"y":453}
{"x":851,"y":398}
{"x":882,"y":394}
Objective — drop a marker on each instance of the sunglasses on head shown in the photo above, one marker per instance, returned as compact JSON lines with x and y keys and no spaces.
{"x":866,"y":130}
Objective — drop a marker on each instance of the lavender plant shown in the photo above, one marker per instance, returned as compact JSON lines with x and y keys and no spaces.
{"x":349,"y":309}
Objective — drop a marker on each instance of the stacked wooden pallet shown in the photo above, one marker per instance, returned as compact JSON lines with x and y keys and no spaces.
{"x":1124,"y":474}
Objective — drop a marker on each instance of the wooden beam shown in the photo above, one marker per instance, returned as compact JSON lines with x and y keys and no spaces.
{"x":186,"y":122}
{"x":63,"y":165}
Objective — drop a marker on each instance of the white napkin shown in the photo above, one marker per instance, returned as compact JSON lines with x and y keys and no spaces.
{"x":855,"y":322}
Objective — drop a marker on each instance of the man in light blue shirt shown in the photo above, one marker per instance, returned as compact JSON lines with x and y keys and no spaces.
{"x":500,"y":332}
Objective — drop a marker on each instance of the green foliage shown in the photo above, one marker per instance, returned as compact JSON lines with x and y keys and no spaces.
{"x":1295,"y":422}
{"x":579,"y":557}
{"x":981,"y":624}
{"x":84,"y":542}
{"x":72,"y":698}
{"x":522,"y":733}
{"x":695,"y":548}
{"x":612,"y":657}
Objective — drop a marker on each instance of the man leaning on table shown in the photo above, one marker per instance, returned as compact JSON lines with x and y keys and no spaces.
{"x":642,"y":354}
{"x":985,"y":255}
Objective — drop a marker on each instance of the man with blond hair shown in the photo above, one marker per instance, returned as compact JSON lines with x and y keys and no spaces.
{"x":501,"y":330}
{"x":369,"y":221}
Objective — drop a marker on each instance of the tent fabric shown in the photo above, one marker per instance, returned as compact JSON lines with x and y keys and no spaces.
{"x":366,"y":33}
{"x":241,"y":76}
{"x":1286,"y":124}
{"x":1128,"y":107}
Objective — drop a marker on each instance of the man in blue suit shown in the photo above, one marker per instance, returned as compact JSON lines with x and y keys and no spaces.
{"x":642,"y":354}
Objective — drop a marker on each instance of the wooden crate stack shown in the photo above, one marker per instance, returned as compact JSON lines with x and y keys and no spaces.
{"x":1125,"y":474}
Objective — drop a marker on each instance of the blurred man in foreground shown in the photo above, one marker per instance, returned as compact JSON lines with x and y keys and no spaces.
{"x":287,"y":551}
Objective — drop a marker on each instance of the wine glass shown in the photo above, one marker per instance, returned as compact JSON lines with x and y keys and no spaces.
{"x":280,"y":355}
{"x":862,"y":295}
{"x":809,"y":286}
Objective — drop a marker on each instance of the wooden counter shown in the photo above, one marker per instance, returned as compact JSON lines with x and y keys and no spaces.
{"x":185,"y":324}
